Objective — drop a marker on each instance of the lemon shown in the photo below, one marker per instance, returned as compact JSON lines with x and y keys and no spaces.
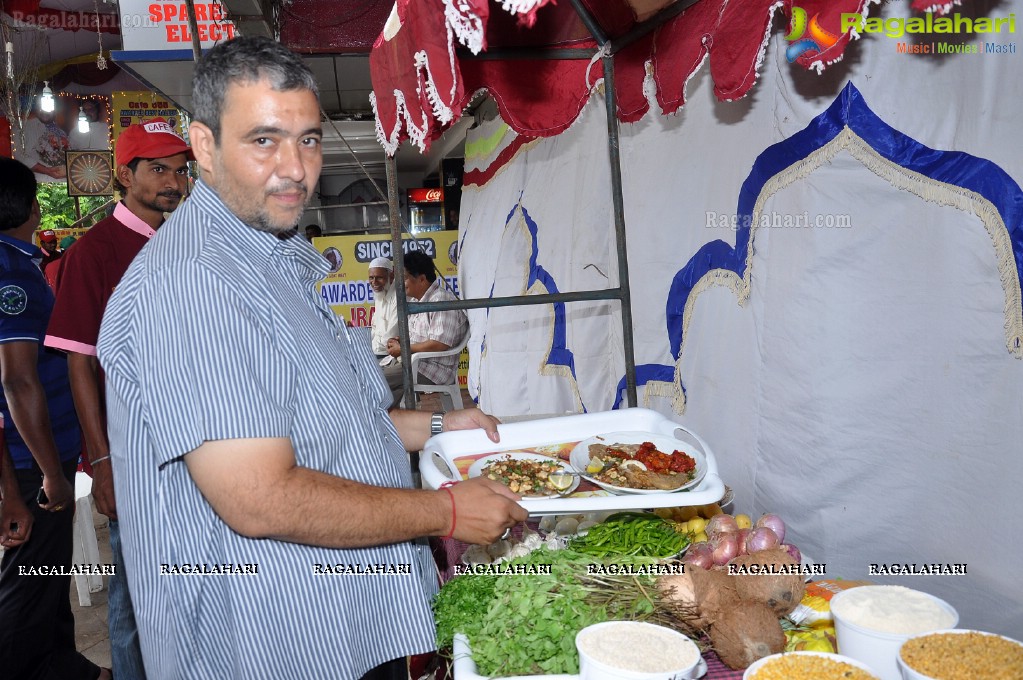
{"x":560,"y":480}
{"x":697,"y":524}
{"x":595,"y":466}
{"x":700,"y":537}
{"x":743,"y":521}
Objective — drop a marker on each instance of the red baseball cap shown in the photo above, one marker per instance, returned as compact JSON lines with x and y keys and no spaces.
{"x":49,"y":235}
{"x":152,"y":139}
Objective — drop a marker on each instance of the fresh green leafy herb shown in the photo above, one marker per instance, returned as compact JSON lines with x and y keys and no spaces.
{"x":529,"y":624}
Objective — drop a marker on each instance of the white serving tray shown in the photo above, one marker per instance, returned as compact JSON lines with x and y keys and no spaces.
{"x":443,"y":449}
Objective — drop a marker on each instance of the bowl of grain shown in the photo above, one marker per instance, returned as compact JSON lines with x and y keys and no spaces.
{"x":872,"y":622}
{"x":809,"y":666}
{"x":634,"y":650}
{"x":961,"y":655}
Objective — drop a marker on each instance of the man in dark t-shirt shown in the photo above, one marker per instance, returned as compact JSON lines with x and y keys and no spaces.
{"x":37,"y":628}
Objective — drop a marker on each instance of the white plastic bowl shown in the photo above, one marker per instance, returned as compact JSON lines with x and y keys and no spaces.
{"x":757,"y":665}
{"x":877,"y":649}
{"x":593,"y":669}
{"x":910,"y":674}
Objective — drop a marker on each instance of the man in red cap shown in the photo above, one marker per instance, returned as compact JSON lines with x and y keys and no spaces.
{"x":51,"y":256}
{"x":152,"y":176}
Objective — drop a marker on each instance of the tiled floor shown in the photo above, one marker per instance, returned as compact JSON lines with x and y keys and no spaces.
{"x":91,"y":622}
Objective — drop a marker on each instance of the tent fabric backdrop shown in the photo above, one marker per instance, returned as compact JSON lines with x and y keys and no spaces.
{"x":867,"y":390}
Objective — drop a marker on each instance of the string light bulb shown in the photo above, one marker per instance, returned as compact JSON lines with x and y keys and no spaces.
{"x":46,"y":100}
{"x":83,"y":122}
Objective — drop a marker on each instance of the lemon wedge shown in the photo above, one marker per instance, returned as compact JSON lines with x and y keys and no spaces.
{"x":595,"y":466}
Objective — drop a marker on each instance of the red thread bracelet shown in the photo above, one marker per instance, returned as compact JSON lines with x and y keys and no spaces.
{"x":454,"y":515}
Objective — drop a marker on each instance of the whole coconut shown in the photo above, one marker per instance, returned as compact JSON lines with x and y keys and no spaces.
{"x":780,"y":592}
{"x":715,"y":593}
{"x":746,"y":633}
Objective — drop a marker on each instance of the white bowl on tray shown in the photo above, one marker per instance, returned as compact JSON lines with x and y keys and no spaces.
{"x":580,"y":458}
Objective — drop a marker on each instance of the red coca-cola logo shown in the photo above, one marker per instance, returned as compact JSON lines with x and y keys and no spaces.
{"x":426,"y":195}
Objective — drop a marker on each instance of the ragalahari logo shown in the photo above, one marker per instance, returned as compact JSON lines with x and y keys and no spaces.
{"x":818,"y":40}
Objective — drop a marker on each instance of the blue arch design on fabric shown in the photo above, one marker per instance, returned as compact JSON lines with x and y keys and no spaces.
{"x":849,"y":109}
{"x":559,"y":353}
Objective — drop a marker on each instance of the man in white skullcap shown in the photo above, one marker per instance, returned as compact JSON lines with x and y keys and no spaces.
{"x":385,"y":307}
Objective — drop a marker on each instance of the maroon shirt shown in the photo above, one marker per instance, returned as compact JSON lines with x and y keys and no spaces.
{"x":89,"y":272}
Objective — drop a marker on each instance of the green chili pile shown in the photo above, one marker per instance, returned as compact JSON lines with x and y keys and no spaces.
{"x":631,"y":533}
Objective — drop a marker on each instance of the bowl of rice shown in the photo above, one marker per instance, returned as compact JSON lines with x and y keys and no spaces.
{"x":961,"y":655}
{"x":809,"y":666}
{"x":634,"y":650}
{"x":872,"y":622}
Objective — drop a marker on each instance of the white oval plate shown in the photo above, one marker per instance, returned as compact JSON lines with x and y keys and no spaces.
{"x":580,"y":458}
{"x":476,"y":469}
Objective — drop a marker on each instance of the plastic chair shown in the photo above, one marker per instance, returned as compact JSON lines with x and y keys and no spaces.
{"x":86,"y":547}
{"x":450,"y":395}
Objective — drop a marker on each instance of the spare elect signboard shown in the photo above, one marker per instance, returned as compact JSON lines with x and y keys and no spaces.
{"x":149,"y":26}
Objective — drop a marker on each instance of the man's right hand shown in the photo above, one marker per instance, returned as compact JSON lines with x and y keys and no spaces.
{"x":15,"y":522}
{"x":103,"y":489}
{"x":483,"y":510}
{"x":59,"y":493}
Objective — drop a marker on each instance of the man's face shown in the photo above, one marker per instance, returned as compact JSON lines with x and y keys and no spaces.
{"x":380,"y":278}
{"x":268,"y":158}
{"x":415,"y":286}
{"x":157,"y":184}
{"x":48,"y":246}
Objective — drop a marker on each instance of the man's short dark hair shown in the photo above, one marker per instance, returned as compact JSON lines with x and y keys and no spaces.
{"x":18,"y":188}
{"x":418,"y":263}
{"x":133,"y":165}
{"x":315,"y":228}
{"x":242,"y":61}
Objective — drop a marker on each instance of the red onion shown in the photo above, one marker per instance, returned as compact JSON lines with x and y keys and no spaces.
{"x":793,"y":552}
{"x":761,"y":538}
{"x":726,"y":546}
{"x":699,"y":554}
{"x":742,"y":535}
{"x":774,"y":523}
{"x":721,"y":524}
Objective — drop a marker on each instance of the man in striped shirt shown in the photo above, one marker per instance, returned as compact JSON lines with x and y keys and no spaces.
{"x":268,"y":517}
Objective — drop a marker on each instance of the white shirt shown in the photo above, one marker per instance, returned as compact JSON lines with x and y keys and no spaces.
{"x":385,"y":319}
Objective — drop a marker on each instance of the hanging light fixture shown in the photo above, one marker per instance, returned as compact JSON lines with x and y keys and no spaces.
{"x":83,"y":122}
{"x":46,"y":100}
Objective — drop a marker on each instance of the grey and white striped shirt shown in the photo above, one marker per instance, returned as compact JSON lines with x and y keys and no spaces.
{"x":216,"y":332}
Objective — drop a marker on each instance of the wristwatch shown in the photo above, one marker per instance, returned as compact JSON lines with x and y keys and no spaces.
{"x":436,"y":423}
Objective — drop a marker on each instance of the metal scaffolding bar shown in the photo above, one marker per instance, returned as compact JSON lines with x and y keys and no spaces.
{"x":622,"y":292}
{"x":390,"y":166}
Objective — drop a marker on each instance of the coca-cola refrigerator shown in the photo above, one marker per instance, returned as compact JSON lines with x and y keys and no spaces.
{"x":426,"y":210}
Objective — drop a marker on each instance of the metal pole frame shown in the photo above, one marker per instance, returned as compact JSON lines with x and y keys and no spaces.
{"x":623,"y":291}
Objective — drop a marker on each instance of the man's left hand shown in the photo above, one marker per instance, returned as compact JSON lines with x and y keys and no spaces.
{"x":15,"y":522}
{"x":470,"y":419}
